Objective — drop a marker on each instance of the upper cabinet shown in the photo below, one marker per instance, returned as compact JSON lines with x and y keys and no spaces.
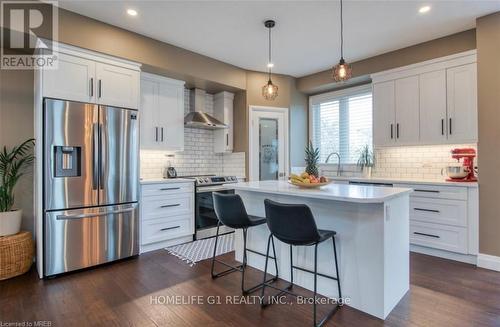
{"x":84,"y":76}
{"x":223,"y":111}
{"x":162,"y":113}
{"x":462,"y":103}
{"x":434,"y":102}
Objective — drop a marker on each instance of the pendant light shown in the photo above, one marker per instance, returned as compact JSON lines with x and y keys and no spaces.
{"x":269,"y":91}
{"x":342,"y":71}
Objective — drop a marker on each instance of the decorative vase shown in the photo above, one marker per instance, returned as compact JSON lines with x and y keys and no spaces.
{"x":367,"y":172}
{"x":10,"y":222}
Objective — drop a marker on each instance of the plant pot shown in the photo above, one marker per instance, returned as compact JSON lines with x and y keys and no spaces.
{"x":367,"y":172}
{"x":10,"y":222}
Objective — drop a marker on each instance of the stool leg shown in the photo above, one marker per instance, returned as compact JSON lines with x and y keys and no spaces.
{"x":275,"y":278}
{"x":315,"y":280}
{"x":215,"y":250}
{"x":263,"y":304}
{"x":291,"y":266}
{"x":337,"y":268}
{"x":244,"y":265}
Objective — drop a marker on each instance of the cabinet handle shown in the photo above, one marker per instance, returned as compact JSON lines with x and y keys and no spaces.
{"x":169,"y":228}
{"x":442,"y":126}
{"x":100,"y":88}
{"x":170,"y":205}
{"x":397,"y":130}
{"x":169,"y":188}
{"x":427,"y":210}
{"x":91,"y":86}
{"x":156,"y":134}
{"x":162,"y":134}
{"x":450,"y":128}
{"x":427,"y":191}
{"x":424,"y":234}
{"x":227,"y":139}
{"x":392,"y":136}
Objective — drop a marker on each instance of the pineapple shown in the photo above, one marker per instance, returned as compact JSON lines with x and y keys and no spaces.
{"x":312,"y":157}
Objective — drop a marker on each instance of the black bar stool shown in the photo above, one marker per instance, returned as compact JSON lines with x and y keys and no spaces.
{"x":231,"y":212}
{"x":294,"y":224}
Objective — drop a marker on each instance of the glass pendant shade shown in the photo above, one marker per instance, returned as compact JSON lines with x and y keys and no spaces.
{"x":342,"y":71}
{"x":270,"y":91}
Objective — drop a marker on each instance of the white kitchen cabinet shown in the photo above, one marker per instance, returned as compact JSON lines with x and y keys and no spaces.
{"x":84,"y":76}
{"x":433,"y":122}
{"x":433,"y":102}
{"x":167,"y":214}
{"x":73,"y":79}
{"x":383,"y":114}
{"x":223,"y":111}
{"x":117,"y":86}
{"x":162,"y":113}
{"x":406,"y":96}
{"x":462,"y":103}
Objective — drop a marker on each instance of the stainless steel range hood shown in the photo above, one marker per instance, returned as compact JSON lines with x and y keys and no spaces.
{"x":197,"y":118}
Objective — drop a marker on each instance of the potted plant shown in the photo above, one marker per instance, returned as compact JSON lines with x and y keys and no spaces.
{"x":13,"y":165}
{"x":365,"y":161}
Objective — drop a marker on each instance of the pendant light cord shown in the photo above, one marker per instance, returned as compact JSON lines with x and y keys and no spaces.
{"x":341,"y":32}
{"x":269,"y":28}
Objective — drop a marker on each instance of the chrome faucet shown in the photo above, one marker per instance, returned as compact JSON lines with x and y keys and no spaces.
{"x":338,"y":164}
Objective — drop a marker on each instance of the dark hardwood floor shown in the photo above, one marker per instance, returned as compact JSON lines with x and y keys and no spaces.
{"x":443,"y":293}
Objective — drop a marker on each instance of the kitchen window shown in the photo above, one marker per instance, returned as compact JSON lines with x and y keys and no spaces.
{"x":341,"y":121}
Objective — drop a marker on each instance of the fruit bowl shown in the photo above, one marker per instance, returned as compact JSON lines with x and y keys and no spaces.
{"x":309,"y":185}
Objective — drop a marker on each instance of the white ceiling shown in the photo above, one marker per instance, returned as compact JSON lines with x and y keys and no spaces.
{"x":306,"y":37}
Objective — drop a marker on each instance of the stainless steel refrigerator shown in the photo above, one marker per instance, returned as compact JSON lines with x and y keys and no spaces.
{"x":91,"y":214}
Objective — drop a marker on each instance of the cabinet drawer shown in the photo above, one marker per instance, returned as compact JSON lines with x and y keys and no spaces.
{"x":435,"y":191}
{"x":449,"y":238}
{"x":167,"y":206}
{"x":442,"y":211}
{"x":166,"y":189}
{"x":157,"y":230}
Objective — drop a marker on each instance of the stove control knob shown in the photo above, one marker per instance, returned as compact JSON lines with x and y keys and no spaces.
{"x":199,"y":180}
{"x":206,"y":180}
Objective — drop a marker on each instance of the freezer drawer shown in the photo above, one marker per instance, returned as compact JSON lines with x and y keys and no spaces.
{"x":76,"y":239}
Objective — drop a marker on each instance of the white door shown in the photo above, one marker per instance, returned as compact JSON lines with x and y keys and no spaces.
{"x":171,"y":123}
{"x":73,"y":80}
{"x":462,"y":103}
{"x":433,"y":124}
{"x":268,"y":137}
{"x":117,"y":86}
{"x":407,"y":110}
{"x":383,"y":114}
{"x":149,"y":115}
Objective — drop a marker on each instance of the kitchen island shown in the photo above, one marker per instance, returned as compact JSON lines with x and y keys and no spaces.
{"x":372,"y":225}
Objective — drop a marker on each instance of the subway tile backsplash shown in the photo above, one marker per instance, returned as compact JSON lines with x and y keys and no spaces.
{"x":198,"y":157}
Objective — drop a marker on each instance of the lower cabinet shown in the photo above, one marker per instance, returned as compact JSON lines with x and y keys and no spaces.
{"x":444,"y":218}
{"x":167,"y":214}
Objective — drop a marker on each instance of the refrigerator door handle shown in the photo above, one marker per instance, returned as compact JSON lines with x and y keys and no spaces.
{"x":95,"y":156}
{"x":102,"y":161}
{"x":94,"y":214}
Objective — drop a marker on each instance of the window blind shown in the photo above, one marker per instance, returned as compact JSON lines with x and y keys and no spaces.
{"x":342,"y":123}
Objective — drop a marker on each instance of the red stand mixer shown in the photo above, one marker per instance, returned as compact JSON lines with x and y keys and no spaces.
{"x":468,"y":155}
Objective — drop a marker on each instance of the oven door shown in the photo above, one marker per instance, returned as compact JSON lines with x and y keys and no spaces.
{"x":206,"y":219}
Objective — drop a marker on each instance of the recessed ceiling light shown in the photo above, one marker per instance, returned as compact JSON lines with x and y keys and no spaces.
{"x":424,"y":9}
{"x":132,"y":12}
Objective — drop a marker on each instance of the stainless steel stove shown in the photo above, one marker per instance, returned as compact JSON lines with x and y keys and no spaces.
{"x":205,"y":217}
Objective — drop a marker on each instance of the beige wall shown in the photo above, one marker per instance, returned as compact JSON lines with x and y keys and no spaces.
{"x":488,"y":59}
{"x":441,"y":47}
{"x":16,"y":126}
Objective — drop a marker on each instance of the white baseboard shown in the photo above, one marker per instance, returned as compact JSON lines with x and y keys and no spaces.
{"x":466,"y":258}
{"x":161,"y":245}
{"x":488,"y":261}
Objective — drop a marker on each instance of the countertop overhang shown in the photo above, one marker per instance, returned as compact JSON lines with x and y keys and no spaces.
{"x":334,"y":192}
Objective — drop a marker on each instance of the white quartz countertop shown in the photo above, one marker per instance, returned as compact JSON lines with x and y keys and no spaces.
{"x":389,"y":180}
{"x":334,"y":192}
{"x":165,"y":180}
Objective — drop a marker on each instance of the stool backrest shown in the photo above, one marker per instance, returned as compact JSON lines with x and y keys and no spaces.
{"x":230,"y":210}
{"x":291,"y":223}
